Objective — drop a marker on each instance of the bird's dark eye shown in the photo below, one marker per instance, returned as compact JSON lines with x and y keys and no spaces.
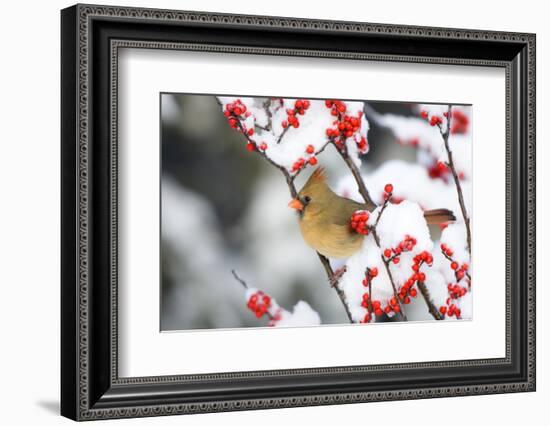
{"x":307,"y":199}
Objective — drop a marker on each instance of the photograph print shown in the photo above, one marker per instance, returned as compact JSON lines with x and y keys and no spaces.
{"x":294,"y":212}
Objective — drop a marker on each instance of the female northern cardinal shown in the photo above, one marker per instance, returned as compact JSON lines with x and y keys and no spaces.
{"x":325,"y":218}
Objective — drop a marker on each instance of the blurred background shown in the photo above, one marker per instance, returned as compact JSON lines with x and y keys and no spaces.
{"x":225,"y":208}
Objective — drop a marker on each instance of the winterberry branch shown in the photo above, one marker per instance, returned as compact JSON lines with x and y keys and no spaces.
{"x":245,"y":285}
{"x":334,"y":283}
{"x":450,"y":164}
{"x":289,"y":178}
{"x":453,"y":263}
{"x":390,"y":275}
{"x":426,"y":294}
{"x":282,"y":135}
{"x":358,"y":178}
{"x":371,"y":205}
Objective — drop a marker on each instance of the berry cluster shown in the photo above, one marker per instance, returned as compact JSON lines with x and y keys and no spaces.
{"x":301,"y":162}
{"x":459,"y":270}
{"x":393,"y":254}
{"x":460,"y":122}
{"x":259,"y":303}
{"x":235,"y":112}
{"x":452,"y":310}
{"x":407,"y":290}
{"x":375,"y":307}
{"x":345,"y":126}
{"x":434,"y":120}
{"x":455,"y":290}
{"x":439,"y":170}
{"x":300,"y":107}
{"x":359,"y":220}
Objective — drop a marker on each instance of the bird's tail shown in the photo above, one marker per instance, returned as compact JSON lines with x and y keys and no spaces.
{"x":438,"y":216}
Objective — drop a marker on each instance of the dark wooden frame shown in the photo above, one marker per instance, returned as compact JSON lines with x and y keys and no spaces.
{"x":91,"y":37}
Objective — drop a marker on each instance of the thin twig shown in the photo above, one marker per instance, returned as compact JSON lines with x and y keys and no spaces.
{"x":371,"y":205}
{"x":426,"y":294}
{"x":239,"y":279}
{"x":282,"y":135}
{"x":445,"y":135}
{"x":450,"y":259}
{"x":330,"y":273}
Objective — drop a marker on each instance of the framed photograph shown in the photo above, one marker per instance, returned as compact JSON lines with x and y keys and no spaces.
{"x":263,"y":212}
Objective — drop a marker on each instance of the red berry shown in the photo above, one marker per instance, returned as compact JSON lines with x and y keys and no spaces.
{"x":443,"y":310}
{"x":424,"y":114}
{"x":387,"y":253}
{"x":312,"y":161}
{"x":413,"y":292}
{"x":263,"y":146}
{"x":310,"y":149}
{"x":395,"y":260}
{"x":250,"y":132}
{"x":373,"y":272}
{"x":388,"y":188}
{"x":454,"y":266}
{"x":284,"y":124}
{"x":250,"y":146}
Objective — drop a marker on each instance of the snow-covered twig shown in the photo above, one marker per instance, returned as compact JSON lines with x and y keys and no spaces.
{"x":261,"y":303}
{"x":450,"y":164}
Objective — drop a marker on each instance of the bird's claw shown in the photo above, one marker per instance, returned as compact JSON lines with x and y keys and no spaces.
{"x":337,"y":274}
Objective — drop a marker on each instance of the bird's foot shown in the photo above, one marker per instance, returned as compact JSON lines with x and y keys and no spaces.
{"x":337,"y":274}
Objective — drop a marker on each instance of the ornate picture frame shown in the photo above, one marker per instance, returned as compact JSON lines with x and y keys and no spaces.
{"x":91,"y":37}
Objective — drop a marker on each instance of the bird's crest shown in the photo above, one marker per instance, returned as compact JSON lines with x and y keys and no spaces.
{"x":318,"y":176}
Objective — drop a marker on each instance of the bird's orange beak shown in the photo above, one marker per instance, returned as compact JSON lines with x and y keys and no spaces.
{"x":296,"y":204}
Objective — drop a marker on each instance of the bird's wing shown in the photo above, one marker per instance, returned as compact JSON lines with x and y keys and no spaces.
{"x":343,"y":209}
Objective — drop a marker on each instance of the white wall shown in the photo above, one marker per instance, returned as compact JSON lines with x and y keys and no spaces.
{"x":29,"y":209}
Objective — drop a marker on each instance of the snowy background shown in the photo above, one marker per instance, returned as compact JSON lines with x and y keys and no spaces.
{"x":224,"y":207}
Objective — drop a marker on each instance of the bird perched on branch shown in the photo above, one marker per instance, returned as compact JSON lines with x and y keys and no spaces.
{"x":325,"y":218}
